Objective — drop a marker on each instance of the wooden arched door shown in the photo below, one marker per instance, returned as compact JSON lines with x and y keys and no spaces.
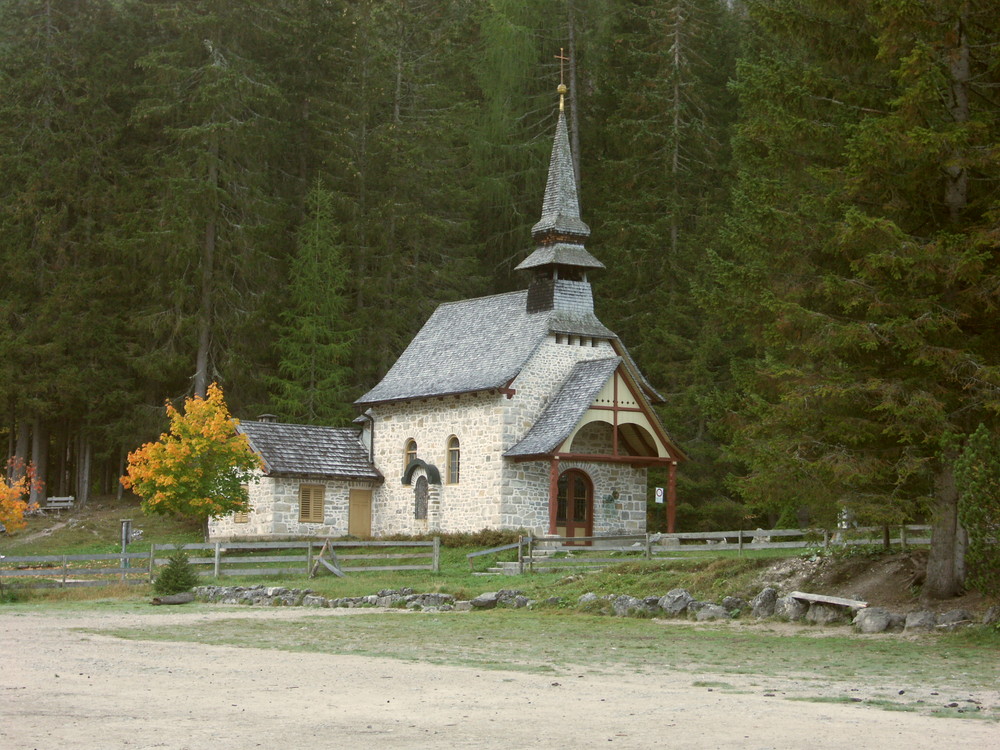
{"x":575,"y":505}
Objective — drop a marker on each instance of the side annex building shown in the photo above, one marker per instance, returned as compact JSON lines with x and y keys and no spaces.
{"x":517,"y":410}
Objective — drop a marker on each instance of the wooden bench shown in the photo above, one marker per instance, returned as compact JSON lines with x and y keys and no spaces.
{"x":59,"y":503}
{"x":834,"y":600}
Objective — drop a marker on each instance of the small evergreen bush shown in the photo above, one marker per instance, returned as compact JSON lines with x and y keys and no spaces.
{"x":177,"y":575}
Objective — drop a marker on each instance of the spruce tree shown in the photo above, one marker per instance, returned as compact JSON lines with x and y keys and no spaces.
{"x":313,"y":340}
{"x":862,"y":265}
{"x":177,"y":576}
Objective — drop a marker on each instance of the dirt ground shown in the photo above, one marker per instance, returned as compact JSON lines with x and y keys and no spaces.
{"x":881,"y":580}
{"x":63,"y":689}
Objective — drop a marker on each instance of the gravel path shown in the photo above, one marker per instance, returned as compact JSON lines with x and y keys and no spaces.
{"x":62,"y":689}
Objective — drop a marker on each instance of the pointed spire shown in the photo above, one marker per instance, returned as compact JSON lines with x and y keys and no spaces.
{"x":560,"y":220}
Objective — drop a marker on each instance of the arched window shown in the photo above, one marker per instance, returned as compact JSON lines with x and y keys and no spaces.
{"x":454,"y":460}
{"x":409,"y":452}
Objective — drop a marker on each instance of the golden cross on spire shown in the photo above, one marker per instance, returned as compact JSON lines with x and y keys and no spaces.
{"x":561,"y":57}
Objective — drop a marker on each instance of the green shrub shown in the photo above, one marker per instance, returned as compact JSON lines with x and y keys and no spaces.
{"x":177,"y":575}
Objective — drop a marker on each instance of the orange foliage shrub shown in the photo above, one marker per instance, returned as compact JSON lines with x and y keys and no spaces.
{"x":13,"y":506}
{"x":198,"y":468}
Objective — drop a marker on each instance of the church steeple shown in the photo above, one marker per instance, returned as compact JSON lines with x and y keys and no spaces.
{"x":560,"y":261}
{"x":560,"y":220}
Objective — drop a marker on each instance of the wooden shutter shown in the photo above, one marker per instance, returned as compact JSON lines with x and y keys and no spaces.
{"x":242,"y":516}
{"x":311,"y":503}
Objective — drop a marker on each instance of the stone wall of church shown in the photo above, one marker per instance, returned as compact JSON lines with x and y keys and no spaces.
{"x":525,"y":487}
{"x":526,"y":496}
{"x":541,"y":378}
{"x":274,"y":503}
{"x":471,"y":504}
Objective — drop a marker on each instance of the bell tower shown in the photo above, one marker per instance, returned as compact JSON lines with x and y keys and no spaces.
{"x":560,"y":261}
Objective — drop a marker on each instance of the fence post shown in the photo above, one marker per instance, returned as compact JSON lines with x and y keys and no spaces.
{"x":436,"y":565}
{"x":649,"y":548}
{"x":739,"y":540}
{"x":218,"y":556}
{"x":152,"y":560}
{"x":309,"y":557}
{"x":520,"y":555}
{"x":902,"y":537}
{"x":531,"y":553}
{"x":826,"y":538}
{"x":65,"y":570}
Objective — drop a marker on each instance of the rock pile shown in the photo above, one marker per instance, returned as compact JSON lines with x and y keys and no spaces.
{"x":675,"y":603}
{"x":279,"y":596}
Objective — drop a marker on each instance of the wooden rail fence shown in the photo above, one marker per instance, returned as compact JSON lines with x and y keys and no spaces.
{"x":216,"y":560}
{"x":551,"y":553}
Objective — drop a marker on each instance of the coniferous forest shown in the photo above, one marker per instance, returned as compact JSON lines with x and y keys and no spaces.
{"x":797,"y":201}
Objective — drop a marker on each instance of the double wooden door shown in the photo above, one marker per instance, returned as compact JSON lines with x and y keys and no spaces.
{"x":575,"y":505}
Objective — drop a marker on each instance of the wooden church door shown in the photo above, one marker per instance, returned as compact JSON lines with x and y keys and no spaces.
{"x":575,"y":505}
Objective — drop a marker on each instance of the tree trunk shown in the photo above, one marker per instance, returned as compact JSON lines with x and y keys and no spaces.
{"x":20,"y":465}
{"x":40,"y":457}
{"x":956,"y":185}
{"x":122,"y":468}
{"x":574,"y":96}
{"x":202,"y":376}
{"x":83,"y":459}
{"x":946,"y":563}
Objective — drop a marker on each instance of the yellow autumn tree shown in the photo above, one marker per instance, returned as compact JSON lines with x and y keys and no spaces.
{"x":13,"y":506}
{"x":199,"y":467}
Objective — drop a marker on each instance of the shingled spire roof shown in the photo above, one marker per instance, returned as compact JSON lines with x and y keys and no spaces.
{"x":561,"y":207}
{"x":560,"y":233}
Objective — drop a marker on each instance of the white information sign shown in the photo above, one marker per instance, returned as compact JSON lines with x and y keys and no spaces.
{"x":659,"y":494}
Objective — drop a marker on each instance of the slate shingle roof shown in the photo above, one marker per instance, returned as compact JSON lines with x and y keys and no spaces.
{"x":567,"y":407}
{"x":561,"y":207}
{"x":561,"y":253}
{"x":473,"y":345}
{"x":298,"y":449}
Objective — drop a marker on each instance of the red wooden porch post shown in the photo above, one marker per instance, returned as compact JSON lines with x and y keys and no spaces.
{"x":671,"y":497}
{"x":553,"y":493}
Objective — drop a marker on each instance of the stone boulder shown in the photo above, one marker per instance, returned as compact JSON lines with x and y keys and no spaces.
{"x":695,"y":606}
{"x":762,"y":605}
{"x":486,"y":600}
{"x":923,"y":620}
{"x":514,"y":598}
{"x":625,"y":605}
{"x":872,"y":620}
{"x":712,"y":612}
{"x":992,"y":616}
{"x":675,"y":602}
{"x":789,"y":608}
{"x":954,"y":619}
{"x":587,"y":598}
{"x":734,"y":604}
{"x":826,"y":614}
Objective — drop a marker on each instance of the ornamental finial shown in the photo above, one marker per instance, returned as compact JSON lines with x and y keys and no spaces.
{"x":561,"y":57}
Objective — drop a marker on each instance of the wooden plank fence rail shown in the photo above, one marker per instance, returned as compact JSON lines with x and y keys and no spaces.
{"x":210,"y":559}
{"x":757,"y":539}
{"x":537,"y":552}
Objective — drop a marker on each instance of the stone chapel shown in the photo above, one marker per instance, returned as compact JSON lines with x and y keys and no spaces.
{"x":513,"y":411}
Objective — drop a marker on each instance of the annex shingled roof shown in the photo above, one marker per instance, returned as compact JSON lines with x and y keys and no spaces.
{"x":566,"y":408}
{"x":297,"y":449}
